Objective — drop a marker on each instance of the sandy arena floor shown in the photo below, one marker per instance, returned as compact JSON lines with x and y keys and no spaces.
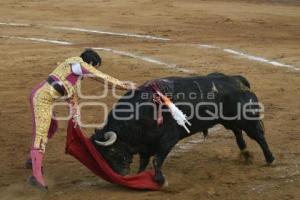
{"x":210,"y":170}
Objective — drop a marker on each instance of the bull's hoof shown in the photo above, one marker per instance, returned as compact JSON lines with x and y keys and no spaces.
{"x":165,"y":185}
{"x":160,"y":180}
{"x":32,"y":181}
{"x":270,"y":160}
{"x":246,"y":157}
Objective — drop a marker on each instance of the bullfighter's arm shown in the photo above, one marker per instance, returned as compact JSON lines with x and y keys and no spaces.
{"x":102,"y":77}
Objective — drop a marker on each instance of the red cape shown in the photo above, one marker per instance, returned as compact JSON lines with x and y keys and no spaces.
{"x":83,"y":150}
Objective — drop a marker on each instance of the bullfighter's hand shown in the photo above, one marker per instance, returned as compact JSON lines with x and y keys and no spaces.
{"x":76,"y":120}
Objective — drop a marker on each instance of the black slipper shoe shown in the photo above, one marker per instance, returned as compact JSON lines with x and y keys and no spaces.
{"x":32,"y":181}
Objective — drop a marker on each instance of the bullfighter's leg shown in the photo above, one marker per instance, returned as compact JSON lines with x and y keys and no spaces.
{"x":255,"y":131}
{"x":51,"y":132}
{"x":144,"y":161}
{"x":41,"y":103}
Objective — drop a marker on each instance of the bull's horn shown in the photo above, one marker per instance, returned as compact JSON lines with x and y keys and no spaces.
{"x":111,"y":138}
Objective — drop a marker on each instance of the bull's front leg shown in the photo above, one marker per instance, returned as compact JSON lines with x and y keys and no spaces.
{"x":144,"y":161}
{"x":166,"y":144}
{"x":157,"y":164}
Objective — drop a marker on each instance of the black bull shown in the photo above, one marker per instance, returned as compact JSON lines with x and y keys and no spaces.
{"x":134,"y":129}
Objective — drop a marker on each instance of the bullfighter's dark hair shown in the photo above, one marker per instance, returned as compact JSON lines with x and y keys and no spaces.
{"x":91,"y":57}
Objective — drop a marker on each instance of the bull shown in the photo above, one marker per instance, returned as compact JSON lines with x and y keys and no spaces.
{"x":136,"y":131}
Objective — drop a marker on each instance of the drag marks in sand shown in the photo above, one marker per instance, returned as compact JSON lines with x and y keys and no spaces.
{"x":122,"y":53}
{"x":249,"y":57}
{"x":150,"y":37}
